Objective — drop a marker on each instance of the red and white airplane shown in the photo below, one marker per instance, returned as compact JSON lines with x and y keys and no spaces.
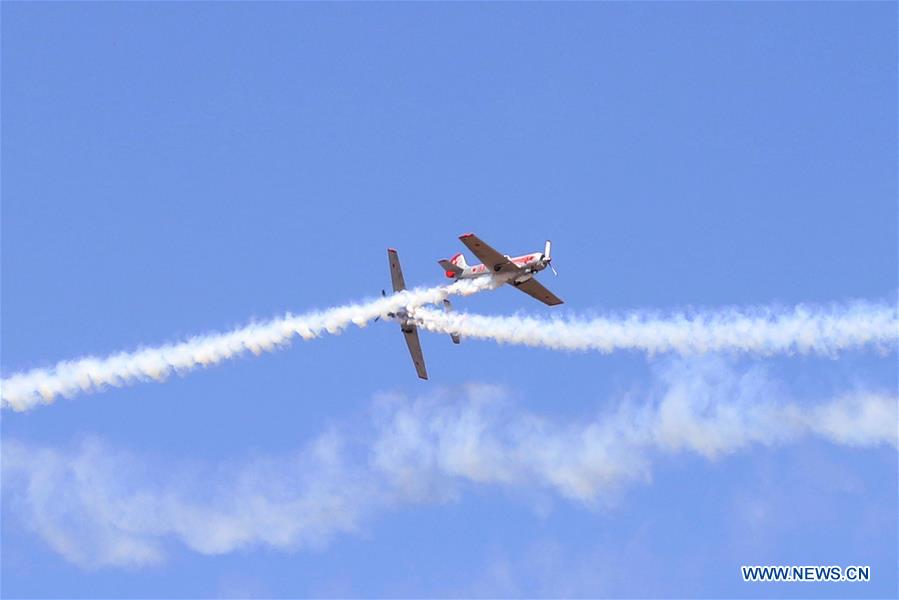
{"x":520,"y":271}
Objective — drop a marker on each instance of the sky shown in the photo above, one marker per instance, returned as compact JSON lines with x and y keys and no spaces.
{"x":170,"y":170}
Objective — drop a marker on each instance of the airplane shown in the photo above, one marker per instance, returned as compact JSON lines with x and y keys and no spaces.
{"x":520,"y":269}
{"x":520,"y":272}
{"x":407,"y":324}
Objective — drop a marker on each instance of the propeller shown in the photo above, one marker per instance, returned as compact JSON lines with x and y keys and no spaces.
{"x":548,"y":258}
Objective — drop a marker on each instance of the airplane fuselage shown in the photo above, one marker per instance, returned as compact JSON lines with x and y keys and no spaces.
{"x":403,"y":318}
{"x":528,"y":263}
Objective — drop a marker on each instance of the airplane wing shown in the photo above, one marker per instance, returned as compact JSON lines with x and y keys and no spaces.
{"x":396,"y":273}
{"x":534,"y":288}
{"x":411,"y":335}
{"x":492,"y":259}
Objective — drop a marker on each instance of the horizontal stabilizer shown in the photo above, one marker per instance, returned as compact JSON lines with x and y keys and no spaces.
{"x":449,"y":267}
{"x":448,"y":307}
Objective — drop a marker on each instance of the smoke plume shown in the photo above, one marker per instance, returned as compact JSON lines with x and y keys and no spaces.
{"x":23,"y":391}
{"x":763,"y":331}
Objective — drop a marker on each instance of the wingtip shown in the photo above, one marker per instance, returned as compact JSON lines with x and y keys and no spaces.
{"x":392,"y":250}
{"x":466,"y":235}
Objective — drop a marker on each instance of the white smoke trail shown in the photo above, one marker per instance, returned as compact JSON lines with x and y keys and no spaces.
{"x":803,"y":329}
{"x":23,"y":391}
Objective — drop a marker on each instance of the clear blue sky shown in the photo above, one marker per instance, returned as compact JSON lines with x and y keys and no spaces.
{"x":173,"y":169}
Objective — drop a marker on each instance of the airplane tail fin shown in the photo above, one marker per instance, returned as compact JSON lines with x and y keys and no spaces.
{"x":459,"y":261}
{"x":448,"y":307}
